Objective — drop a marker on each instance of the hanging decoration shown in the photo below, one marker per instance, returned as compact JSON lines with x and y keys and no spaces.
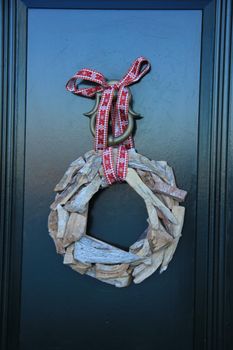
{"x":115,"y":159}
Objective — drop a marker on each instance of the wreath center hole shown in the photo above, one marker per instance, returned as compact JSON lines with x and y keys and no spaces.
{"x":117,"y":215}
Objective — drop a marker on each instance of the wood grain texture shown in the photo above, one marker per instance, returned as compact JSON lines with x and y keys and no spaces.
{"x":67,"y":177}
{"x":63,"y":217}
{"x":76,"y":227}
{"x":91,"y":250}
{"x":80,"y":201}
{"x":111,"y":271}
{"x":136,"y":183}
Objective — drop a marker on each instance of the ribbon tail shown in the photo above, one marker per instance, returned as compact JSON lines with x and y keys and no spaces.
{"x":101,"y":128}
{"x":111,"y":174}
{"x":108,"y":165}
{"x":122,"y":162}
{"x":122,"y":115}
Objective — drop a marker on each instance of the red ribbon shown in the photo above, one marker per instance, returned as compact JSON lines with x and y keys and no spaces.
{"x":118,"y":112}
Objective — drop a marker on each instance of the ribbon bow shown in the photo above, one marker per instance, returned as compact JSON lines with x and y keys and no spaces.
{"x":107,"y":107}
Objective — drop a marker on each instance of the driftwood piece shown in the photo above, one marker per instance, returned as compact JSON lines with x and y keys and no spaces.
{"x":60,"y":249}
{"x":52,"y":223}
{"x":53,"y":227}
{"x":138,"y":161}
{"x":80,"y":267}
{"x":178,"y":212}
{"x":141,"y":248}
{"x":81,"y":199}
{"x":141,"y":272}
{"x":63,"y":217}
{"x":90,"y":169}
{"x":119,"y":282}
{"x":68,"y":257}
{"x":168,"y":201}
{"x":111,"y":271}
{"x":170,"y":190}
{"x":65,"y":195}
{"x":71,"y":171}
{"x":169,"y":174}
{"x":89,"y":154}
{"x":136,"y":183}
{"x":176,"y":231}
{"x":157,"y":185}
{"x":147,"y":178}
{"x":91,"y":250}
{"x":153,"y":216}
{"x":76,"y":227}
{"x":158,"y":238}
{"x":104,"y":182}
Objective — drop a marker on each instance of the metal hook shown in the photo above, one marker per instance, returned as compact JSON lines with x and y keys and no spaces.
{"x":113,"y":141}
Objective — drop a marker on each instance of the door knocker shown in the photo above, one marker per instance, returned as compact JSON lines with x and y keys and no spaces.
{"x":115,"y":159}
{"x":113,"y":141}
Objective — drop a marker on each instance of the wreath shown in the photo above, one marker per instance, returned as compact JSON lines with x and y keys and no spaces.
{"x":154,"y":181}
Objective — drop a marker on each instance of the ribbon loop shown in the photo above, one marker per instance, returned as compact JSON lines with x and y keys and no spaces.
{"x":138,"y":69}
{"x":89,"y":75}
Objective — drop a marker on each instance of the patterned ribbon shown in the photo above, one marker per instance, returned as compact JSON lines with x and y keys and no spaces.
{"x":118,"y":111}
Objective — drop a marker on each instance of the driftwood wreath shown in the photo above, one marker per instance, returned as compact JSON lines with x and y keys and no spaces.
{"x":153,"y":180}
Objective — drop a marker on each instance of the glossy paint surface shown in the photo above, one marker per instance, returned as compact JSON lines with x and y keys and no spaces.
{"x":60,"y":308}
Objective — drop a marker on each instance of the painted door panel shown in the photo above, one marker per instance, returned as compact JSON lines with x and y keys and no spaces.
{"x":60,"y":308}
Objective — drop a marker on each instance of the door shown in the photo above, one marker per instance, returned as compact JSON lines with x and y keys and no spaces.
{"x":58,"y":308}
